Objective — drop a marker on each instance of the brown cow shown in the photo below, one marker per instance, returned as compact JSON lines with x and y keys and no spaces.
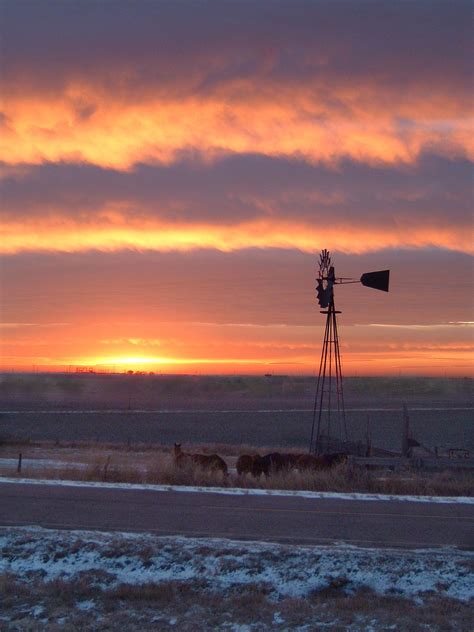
{"x":321,"y":462}
{"x":335,"y":458}
{"x":268,"y":464}
{"x":245,"y":463}
{"x":211,"y":462}
{"x":309,"y":462}
{"x":283,"y":462}
{"x":274,"y":462}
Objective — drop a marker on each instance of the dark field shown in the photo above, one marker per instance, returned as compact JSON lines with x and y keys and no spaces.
{"x":260,"y":411}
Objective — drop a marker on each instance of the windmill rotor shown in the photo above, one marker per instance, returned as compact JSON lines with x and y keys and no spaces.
{"x":325,"y":280}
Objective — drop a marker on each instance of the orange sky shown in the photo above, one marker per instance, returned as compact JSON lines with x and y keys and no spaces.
{"x":213,"y":349}
{"x":167,"y":184}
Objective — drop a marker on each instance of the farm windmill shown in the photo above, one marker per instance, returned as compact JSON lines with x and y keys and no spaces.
{"x":329,"y":399}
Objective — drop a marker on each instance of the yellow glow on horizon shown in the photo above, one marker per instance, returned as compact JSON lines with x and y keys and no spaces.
{"x":161,"y":361}
{"x":453,"y":360}
{"x":147,"y":345}
{"x":125,"y":360}
{"x":399,"y":365}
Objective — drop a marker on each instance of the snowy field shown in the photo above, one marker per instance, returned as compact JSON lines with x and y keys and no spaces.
{"x":93,"y":580}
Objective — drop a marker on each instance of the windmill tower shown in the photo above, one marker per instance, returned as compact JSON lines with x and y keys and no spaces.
{"x":329,"y":428}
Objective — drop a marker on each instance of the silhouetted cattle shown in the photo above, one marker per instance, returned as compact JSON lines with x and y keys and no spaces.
{"x":278,"y":462}
{"x":252,"y":464}
{"x":274,"y":462}
{"x":310,"y":462}
{"x":245,"y":463}
{"x":211,"y":462}
{"x":320,"y":462}
{"x":335,"y":458}
{"x":283,"y":462}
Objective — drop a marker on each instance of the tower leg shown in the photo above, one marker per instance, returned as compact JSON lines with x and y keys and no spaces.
{"x":318,"y":400}
{"x":329,"y":389}
{"x":339,"y":384}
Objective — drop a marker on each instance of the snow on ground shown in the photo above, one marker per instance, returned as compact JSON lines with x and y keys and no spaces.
{"x":52,"y":464}
{"x":237,"y":491}
{"x":44,"y":463}
{"x":288,"y":571}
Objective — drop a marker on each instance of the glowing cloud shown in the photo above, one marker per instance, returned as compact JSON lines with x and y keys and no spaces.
{"x":122,"y":233}
{"x":328,"y":82}
{"x":273,"y":121}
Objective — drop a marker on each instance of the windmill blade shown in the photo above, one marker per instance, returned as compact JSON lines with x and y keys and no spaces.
{"x":378,"y":280}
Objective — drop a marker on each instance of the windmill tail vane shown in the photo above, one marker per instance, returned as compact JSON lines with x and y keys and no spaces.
{"x":377,"y":280}
{"x":329,"y":429}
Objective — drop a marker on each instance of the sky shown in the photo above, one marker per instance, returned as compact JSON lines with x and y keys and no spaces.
{"x":170,"y":171}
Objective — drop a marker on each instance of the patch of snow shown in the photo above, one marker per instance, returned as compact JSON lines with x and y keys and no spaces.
{"x":277,"y":618}
{"x":43,"y":463}
{"x":288,"y":571}
{"x":37,"y":611}
{"x":88,"y":604}
{"x":237,"y":491}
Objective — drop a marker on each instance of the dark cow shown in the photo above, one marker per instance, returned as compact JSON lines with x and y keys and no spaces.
{"x":309,"y":462}
{"x":245,"y":463}
{"x":336,"y":458}
{"x":275,"y":462}
{"x":211,"y":462}
{"x":320,"y":462}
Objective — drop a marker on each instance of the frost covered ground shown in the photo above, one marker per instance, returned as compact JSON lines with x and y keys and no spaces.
{"x":103,"y":581}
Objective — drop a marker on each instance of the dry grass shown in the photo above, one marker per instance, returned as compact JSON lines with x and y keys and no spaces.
{"x":157,"y":467}
{"x":213,"y":593}
{"x":194,"y":605}
{"x":235,"y":450}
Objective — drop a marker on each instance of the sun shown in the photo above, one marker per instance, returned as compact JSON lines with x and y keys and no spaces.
{"x":138,"y":360}
{"x":129,"y":362}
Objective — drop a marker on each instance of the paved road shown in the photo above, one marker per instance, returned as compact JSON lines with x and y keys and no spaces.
{"x":232,"y":411}
{"x":269,"y":518}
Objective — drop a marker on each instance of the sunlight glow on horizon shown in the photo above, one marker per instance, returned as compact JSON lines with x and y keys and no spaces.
{"x":451,"y":361}
{"x":226,"y":348}
{"x":161,"y":361}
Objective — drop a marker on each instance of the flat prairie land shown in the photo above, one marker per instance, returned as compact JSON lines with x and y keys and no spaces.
{"x":260,"y":411}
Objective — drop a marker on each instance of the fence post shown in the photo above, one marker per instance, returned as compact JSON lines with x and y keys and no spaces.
{"x":106,"y":467}
{"x":368,"y":451}
{"x":406,"y":430}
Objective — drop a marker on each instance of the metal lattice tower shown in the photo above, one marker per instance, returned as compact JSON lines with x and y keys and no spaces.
{"x":329,"y":428}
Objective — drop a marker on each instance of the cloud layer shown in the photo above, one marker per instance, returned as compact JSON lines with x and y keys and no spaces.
{"x":182,"y":162}
{"x":239,"y":202}
{"x":114,"y":86}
